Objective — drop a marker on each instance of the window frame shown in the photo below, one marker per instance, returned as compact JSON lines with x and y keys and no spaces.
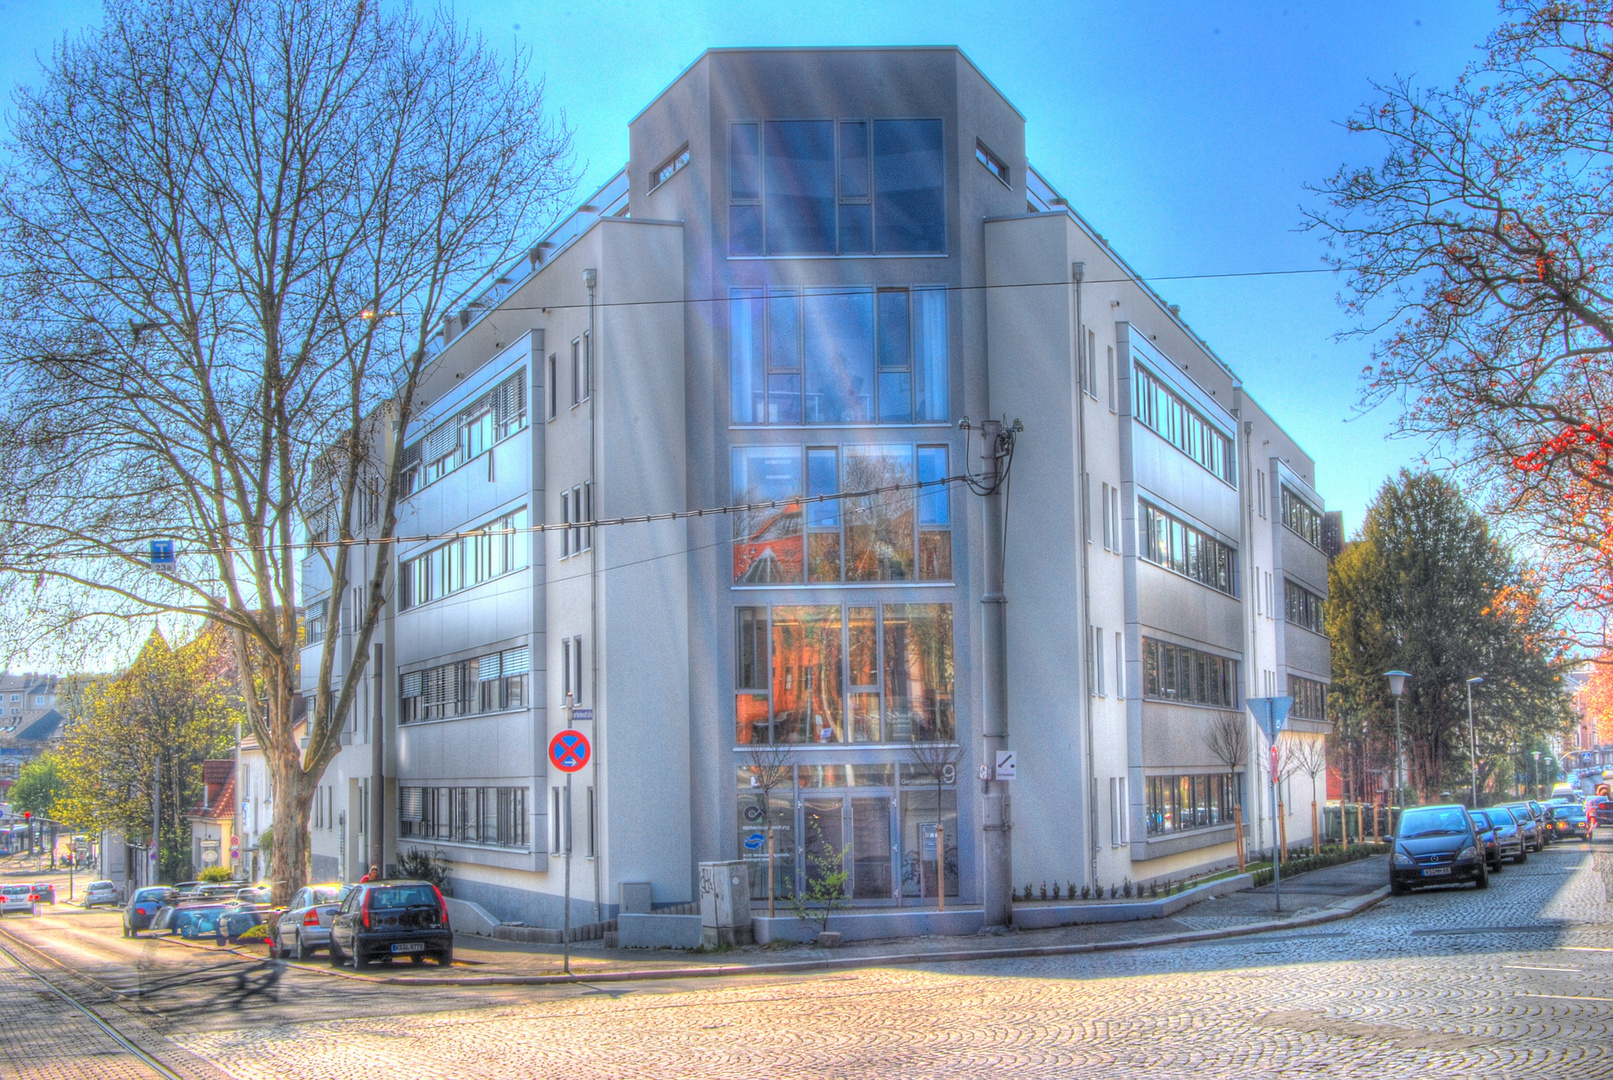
{"x":675,"y":163}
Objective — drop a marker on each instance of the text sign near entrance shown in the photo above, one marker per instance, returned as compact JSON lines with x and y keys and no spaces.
{"x":569,"y":750}
{"x":1005,"y":765}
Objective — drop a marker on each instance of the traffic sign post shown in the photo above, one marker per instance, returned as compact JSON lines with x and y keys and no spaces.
{"x":569,"y":751}
{"x":1271,"y":713}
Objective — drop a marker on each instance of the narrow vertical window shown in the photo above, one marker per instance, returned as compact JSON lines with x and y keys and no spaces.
{"x":1097,"y":652}
{"x":576,"y":371}
{"x":1111,"y":378}
{"x":1108,"y":536}
{"x":565,"y":518}
{"x":554,"y":386}
{"x":588,"y":514}
{"x":745,"y":189}
{"x":576,"y":656}
{"x":554,"y":821}
{"x":823,"y":518}
{"x":1086,"y":503}
{"x":593,"y":824}
{"x":1092,"y":364}
{"x":856,"y":213}
{"x":747,"y":384}
{"x":587,"y":364}
{"x":935,"y":515}
{"x":1120,"y":665}
{"x":565,"y":671}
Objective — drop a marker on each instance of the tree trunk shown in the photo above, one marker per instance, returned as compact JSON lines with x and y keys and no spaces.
{"x":293,"y":798}
{"x":940,"y":858}
{"x":1282,"y":830}
{"x":1237,"y":822}
{"x":1316,"y":834}
{"x":770,"y":890}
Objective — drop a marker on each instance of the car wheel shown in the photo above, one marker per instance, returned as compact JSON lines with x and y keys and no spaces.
{"x":300,"y":950}
{"x":360,"y":960}
{"x":446,"y":958}
{"x":417,"y":959}
{"x":1482,"y":881}
{"x":1522,"y":856}
{"x":336,"y":957}
{"x":1396,"y":888}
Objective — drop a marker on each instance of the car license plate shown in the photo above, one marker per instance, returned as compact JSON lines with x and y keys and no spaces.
{"x":1437,"y":871}
{"x":409,"y":946}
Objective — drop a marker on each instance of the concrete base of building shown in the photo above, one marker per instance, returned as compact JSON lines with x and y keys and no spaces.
{"x":1036,"y":916}
{"x":469,"y":917}
{"x":655,"y":931}
{"x":870,"y":925}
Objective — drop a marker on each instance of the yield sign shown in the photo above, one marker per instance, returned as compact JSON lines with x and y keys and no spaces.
{"x":569,"y":750}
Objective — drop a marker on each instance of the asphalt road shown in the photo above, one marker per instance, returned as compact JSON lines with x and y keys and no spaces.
{"x":1515,"y":981}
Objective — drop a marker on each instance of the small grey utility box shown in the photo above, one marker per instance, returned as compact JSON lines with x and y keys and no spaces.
{"x":724,"y":904}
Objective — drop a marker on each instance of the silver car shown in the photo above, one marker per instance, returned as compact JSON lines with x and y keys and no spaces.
{"x":305,"y":924}
{"x":17,"y":898}
{"x":100,"y":892}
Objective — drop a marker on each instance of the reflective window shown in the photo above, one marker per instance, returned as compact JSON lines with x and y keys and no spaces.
{"x":1303,"y":607}
{"x":822,"y":187}
{"x":1179,"y":803}
{"x":1160,"y":408}
{"x":492,"y":550}
{"x":828,"y":674}
{"x":838,"y":356}
{"x":1310,"y":698}
{"x":1178,"y":546}
{"x":897,"y":532}
{"x":1303,"y":521}
{"x":1177,"y":673}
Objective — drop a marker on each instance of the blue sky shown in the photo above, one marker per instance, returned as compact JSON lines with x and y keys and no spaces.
{"x":1185,"y":132}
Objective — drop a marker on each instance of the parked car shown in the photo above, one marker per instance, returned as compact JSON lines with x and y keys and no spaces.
{"x":17,"y":898}
{"x":215,"y":891}
{"x":187,"y":890}
{"x":1567,"y":791}
{"x":253,"y":894}
{"x":232,"y":922}
{"x":1488,"y":840}
{"x":45,"y":892}
{"x":1534,"y":835}
{"x":196,"y":920}
{"x":305,"y":924}
{"x":1599,"y":808}
{"x":387,"y":919}
{"x":100,"y":892}
{"x":143,"y":906}
{"x":1509,"y":834}
{"x":1436,"y":845}
{"x":1569,"y":822}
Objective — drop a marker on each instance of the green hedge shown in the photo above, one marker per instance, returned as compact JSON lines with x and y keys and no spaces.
{"x":1333,"y":856}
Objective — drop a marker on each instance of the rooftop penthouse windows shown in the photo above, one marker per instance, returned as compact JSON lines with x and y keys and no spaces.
{"x":828,"y":187}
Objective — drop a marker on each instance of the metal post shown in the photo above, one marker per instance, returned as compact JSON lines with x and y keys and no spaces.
{"x":1276,"y":853}
{"x":1397,"y":756}
{"x":995,"y":846}
{"x":565,"y":931}
{"x":156,"y":822}
{"x":1472,"y":744}
{"x":377,"y":835}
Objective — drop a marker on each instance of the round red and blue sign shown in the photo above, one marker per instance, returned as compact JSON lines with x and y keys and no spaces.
{"x":569,"y":750}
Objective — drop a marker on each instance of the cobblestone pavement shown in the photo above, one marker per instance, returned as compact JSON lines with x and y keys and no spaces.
{"x":44,"y":1038}
{"x":1515,"y":981}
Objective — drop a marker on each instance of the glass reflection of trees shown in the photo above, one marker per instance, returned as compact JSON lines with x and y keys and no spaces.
{"x":794,"y":664}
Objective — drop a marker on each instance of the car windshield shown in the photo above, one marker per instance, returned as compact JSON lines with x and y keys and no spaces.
{"x":1433,"y":821}
{"x":145,"y":895}
{"x":1481,"y":819}
{"x":15,"y":890}
{"x":323,"y":896}
{"x":1502,"y":816}
{"x":403,"y":896}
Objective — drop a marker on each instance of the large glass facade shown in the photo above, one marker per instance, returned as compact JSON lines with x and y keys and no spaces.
{"x":894,"y":829}
{"x":897,"y":532}
{"x":826,"y":187}
{"x":846,"y":355}
{"x":833,"y":674}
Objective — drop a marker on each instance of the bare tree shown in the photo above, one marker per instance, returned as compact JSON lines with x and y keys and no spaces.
{"x":1228,"y":739}
{"x":1287,"y":766}
{"x":770,"y":767}
{"x":232,"y":228}
{"x":1309,"y":755}
{"x":938,"y":761}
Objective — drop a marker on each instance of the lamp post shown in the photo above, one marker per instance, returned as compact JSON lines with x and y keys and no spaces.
{"x":1534,"y":776}
{"x":1472,"y":744}
{"x":1397,"y":686}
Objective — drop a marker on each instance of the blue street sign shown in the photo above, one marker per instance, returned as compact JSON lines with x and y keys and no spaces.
{"x":162,"y":556}
{"x":1271,"y":713}
{"x":754,"y":841}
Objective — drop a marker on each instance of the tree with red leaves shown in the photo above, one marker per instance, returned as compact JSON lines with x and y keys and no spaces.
{"x":1480,"y":253}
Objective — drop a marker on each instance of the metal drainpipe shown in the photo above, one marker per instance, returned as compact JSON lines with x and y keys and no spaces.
{"x":591,"y":280}
{"x":1078,"y":273}
{"x":1246,"y":526}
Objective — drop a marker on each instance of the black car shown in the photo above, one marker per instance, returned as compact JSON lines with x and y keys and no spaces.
{"x":383,"y":920}
{"x":1488,"y":840}
{"x":1436,"y":845}
{"x":1568,"y":821}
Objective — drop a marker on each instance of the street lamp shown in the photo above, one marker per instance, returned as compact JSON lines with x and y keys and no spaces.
{"x":1534,"y":776}
{"x":1472,"y":744}
{"x":1397,"y":686}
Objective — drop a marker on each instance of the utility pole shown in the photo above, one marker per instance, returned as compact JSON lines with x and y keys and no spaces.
{"x":1472,"y":743}
{"x":155,"y":858}
{"x":996,"y":848}
{"x":377,"y":835}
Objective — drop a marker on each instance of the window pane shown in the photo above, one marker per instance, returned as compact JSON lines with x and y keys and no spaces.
{"x":909,"y":207}
{"x":750,"y":659}
{"x":839,"y":357}
{"x":745,"y":355}
{"x":745,"y":230}
{"x":856,"y":229}
{"x":893,"y":329}
{"x":854,"y":160}
{"x":784,"y":399}
{"x":807,"y":691}
{"x":823,"y":479}
{"x":800,"y":187}
{"x":918,"y":671}
{"x":767,"y":540}
{"x":895,"y":397}
{"x":865,"y":718}
{"x":750,"y":711}
{"x":864,"y":646}
{"x":879,"y":528}
{"x":935,"y":502}
{"x":784,"y":332}
{"x":744,"y":162}
{"x":930,"y":354}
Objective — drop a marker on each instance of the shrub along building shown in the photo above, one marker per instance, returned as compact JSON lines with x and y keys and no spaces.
{"x":815,"y":264}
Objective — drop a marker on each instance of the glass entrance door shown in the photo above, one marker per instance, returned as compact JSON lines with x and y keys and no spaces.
{"x":871,"y":848}
{"x":823,"y":833}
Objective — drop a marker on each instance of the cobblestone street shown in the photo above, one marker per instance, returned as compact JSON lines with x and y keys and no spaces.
{"x":1515,"y":981}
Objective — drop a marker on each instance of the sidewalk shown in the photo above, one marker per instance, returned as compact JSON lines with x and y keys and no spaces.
{"x":1320,"y":896}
